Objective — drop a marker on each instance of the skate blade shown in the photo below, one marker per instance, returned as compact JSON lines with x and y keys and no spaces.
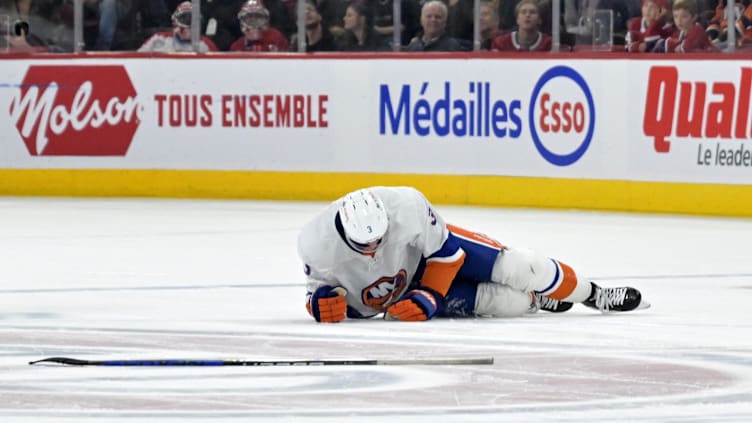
{"x":643,"y":305}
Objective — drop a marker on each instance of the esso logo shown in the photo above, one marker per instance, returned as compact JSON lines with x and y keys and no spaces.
{"x":76,"y":111}
{"x":562,"y":116}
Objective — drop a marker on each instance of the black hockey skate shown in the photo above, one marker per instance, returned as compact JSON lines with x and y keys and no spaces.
{"x":551,"y":305}
{"x":615,"y":299}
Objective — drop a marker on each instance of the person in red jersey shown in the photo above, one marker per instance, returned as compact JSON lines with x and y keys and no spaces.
{"x":528,"y":36}
{"x":689,"y":36}
{"x":258,"y":35}
{"x":645,"y":32}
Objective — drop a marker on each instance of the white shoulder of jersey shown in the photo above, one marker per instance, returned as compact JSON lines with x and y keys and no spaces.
{"x":158,"y":42}
{"x":412,"y":218}
{"x":404,"y":203}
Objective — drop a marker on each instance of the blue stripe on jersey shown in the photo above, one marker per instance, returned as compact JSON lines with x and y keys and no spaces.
{"x":479,"y":259}
{"x":450,"y":247}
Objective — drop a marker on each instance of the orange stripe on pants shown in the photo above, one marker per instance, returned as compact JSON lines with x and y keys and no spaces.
{"x":475,"y":236}
{"x":568,"y":283}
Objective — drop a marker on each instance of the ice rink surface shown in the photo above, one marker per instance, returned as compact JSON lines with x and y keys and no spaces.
{"x":118,"y":279}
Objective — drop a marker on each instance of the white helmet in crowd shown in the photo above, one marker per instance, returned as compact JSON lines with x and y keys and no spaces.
{"x":364,"y":219}
{"x":182,"y":15}
{"x":254,"y":19}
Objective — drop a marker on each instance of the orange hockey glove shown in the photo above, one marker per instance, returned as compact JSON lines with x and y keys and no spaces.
{"x":327,"y":304}
{"x":416,"y":305}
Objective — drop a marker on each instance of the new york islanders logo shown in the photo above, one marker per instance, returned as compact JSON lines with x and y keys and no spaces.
{"x":382,"y":293}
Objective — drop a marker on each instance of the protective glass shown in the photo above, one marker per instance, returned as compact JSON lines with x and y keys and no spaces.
{"x":5,"y":25}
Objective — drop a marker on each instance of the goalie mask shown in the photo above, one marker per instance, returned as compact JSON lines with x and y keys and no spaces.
{"x":181,"y":18}
{"x":181,"y":21}
{"x":364,"y":220}
{"x":254,"y":19}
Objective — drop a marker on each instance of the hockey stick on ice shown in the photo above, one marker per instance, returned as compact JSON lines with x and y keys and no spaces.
{"x":197,"y":363}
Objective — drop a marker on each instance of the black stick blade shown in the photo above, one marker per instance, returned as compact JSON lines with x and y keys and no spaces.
{"x":62,"y":360}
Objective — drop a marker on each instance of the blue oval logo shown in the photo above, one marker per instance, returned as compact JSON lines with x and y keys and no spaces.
{"x":561,"y":118}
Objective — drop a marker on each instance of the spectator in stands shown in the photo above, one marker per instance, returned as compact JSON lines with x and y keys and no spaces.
{"x":567,"y":40}
{"x":179,"y":39}
{"x":258,"y":34}
{"x":280,"y":17}
{"x":460,"y":23}
{"x":646,"y":31}
{"x":90,"y":20}
{"x":222,"y":21}
{"x":14,"y":26}
{"x":690,"y":36}
{"x":383,"y":21}
{"x":744,"y":24}
{"x":461,"y":19}
{"x":507,"y":14}
{"x":47,"y":29}
{"x":144,"y":19}
{"x":17,"y":38}
{"x":107,"y":13}
{"x":118,"y":24}
{"x":332,"y":12}
{"x":318,"y":36}
{"x":488,"y":20}
{"x":528,"y":36}
{"x":154,"y":13}
{"x":433,"y":19}
{"x":359,"y":34}
{"x":717,"y":28}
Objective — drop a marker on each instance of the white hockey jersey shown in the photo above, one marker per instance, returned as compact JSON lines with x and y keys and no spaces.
{"x":167,"y":42}
{"x":373,"y":283}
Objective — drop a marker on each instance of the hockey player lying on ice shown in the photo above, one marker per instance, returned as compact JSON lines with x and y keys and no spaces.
{"x":386,"y":250}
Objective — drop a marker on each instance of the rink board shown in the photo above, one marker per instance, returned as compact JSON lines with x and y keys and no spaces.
{"x":611,"y":134}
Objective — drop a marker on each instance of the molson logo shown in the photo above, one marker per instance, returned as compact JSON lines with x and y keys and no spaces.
{"x":76,"y":111}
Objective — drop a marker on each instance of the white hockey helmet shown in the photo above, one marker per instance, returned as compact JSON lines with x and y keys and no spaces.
{"x":364,"y":219}
{"x":182,"y":16}
{"x":253,"y":15}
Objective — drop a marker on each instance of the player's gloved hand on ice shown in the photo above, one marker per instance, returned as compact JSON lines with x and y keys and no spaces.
{"x":327,"y":304}
{"x":415,"y":305}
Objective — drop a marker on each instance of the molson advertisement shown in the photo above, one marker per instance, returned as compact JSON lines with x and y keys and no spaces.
{"x":74,"y":110}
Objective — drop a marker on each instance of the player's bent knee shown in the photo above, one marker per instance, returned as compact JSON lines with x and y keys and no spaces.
{"x":496,"y":300}
{"x":523,"y":269}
